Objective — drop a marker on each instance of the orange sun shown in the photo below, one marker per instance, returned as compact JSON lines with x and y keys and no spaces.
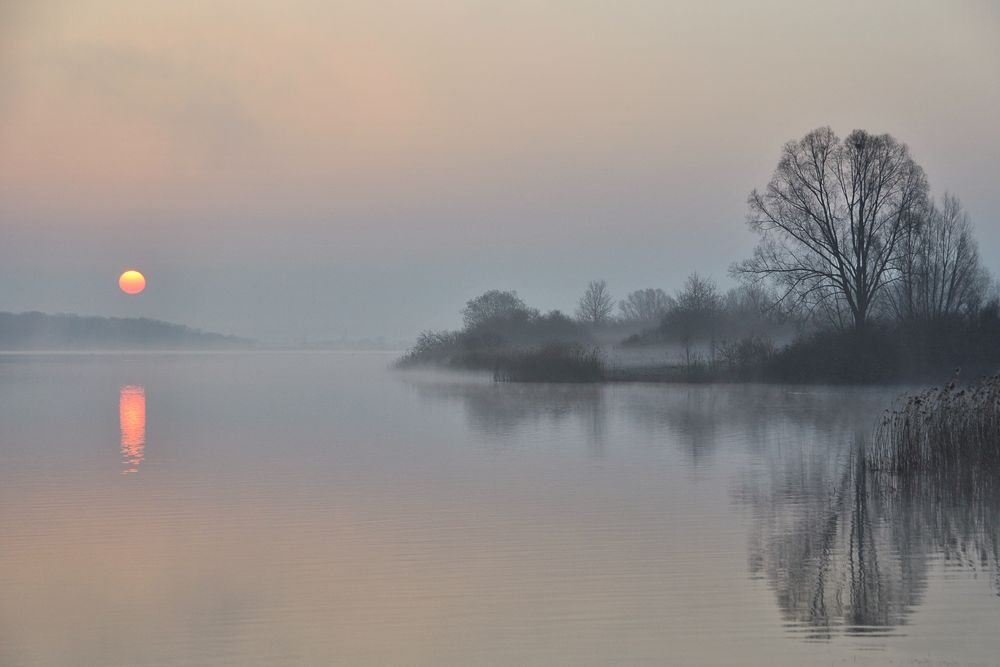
{"x":132,"y":282}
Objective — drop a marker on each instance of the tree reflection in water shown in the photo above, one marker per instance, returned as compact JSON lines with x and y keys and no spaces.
{"x":848,"y":550}
{"x":845,"y":549}
{"x":504,"y":412}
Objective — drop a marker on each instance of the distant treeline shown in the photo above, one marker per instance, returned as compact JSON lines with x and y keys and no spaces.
{"x":503,"y":335}
{"x":703,"y":336}
{"x":859,"y":276}
{"x":41,"y":331}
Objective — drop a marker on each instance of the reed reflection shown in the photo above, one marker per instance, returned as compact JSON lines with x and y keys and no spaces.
{"x":848,"y":550}
{"x":132,"y":420}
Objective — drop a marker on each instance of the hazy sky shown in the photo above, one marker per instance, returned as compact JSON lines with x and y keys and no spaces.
{"x":318,"y":168}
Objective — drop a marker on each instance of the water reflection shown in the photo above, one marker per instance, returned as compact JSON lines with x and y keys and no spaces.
{"x":506,"y":411}
{"x":132,"y":420}
{"x":850,"y":551}
{"x":470,"y":510}
{"x":844,"y":550}
{"x":697,"y":419}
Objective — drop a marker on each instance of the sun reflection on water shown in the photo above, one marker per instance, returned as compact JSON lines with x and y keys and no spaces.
{"x":132,"y":418}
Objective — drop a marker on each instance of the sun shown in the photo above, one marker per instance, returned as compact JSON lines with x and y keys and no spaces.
{"x":132,"y":282}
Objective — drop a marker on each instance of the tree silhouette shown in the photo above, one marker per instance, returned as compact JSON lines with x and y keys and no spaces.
{"x":645,"y":305}
{"x":833,"y":220}
{"x":596,"y":304}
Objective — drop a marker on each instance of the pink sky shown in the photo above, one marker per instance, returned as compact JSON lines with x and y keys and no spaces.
{"x":318,"y":168}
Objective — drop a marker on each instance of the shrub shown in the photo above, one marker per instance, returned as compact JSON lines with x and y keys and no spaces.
{"x":835,"y":356}
{"x":746,"y":356}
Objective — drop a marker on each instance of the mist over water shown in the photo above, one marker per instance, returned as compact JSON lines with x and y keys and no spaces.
{"x":307,"y":509}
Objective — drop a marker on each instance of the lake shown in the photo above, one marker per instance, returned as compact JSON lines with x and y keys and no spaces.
{"x":321,"y":509}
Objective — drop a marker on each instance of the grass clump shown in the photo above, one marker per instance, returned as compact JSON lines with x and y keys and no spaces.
{"x":941,"y":428}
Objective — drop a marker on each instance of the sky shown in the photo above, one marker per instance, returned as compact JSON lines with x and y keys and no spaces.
{"x":311,"y":169}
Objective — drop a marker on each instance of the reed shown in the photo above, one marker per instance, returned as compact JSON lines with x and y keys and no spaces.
{"x":941,"y":428}
{"x":555,"y":362}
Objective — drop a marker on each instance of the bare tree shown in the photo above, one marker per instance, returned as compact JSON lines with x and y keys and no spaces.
{"x":942,"y":274}
{"x":696,"y":315}
{"x":753,"y":309}
{"x":596,"y":304}
{"x":699,"y":295}
{"x":645,"y":305}
{"x":753,"y":300}
{"x":833,"y":220}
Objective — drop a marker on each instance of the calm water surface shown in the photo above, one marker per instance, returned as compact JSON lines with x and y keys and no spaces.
{"x":318,"y":509}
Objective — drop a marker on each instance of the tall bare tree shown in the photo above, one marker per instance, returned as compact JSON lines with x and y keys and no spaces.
{"x":942,"y":275}
{"x":596,"y":304}
{"x":645,"y":305}
{"x":833,"y":220}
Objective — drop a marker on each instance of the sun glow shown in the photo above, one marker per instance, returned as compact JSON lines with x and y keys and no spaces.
{"x":132,"y":282}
